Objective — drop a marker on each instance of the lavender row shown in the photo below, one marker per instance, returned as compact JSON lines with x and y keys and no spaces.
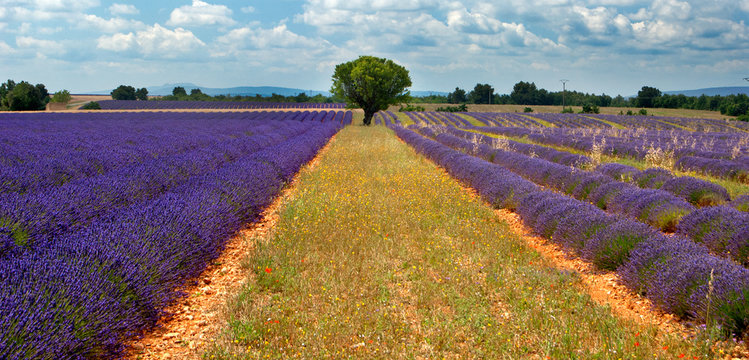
{"x":673,"y":272}
{"x":696,"y":191}
{"x":655,"y":207}
{"x":40,"y":150}
{"x":222,"y":105}
{"x":717,"y":154}
{"x":652,"y":206}
{"x":80,"y":296}
{"x":34,"y":217}
{"x":543,"y":152}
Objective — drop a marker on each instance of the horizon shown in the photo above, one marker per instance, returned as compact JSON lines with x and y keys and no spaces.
{"x":611,"y":47}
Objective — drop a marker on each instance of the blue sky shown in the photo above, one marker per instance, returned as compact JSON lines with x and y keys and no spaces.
{"x":601,"y":46}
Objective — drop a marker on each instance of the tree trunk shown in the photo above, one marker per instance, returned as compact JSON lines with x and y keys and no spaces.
{"x":368,"y":115}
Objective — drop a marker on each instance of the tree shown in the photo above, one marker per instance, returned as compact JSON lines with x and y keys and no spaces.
{"x":301,"y":98}
{"x":141,"y":94}
{"x":371,"y":83}
{"x":4,"y":90}
{"x":647,"y":96}
{"x":62,"y":97}
{"x":123,"y":92}
{"x":179,"y":91}
{"x":457,"y":97}
{"x":196,"y":92}
{"x":524,"y":93}
{"x":482,"y":94}
{"x":27,"y":97}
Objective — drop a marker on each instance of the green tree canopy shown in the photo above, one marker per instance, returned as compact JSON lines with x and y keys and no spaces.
{"x":371,"y":83}
{"x":123,"y":92}
{"x":62,"y":97}
{"x":457,"y":97}
{"x":482,"y":94}
{"x":141,"y":94}
{"x":647,"y":96}
{"x":25,"y":96}
{"x":179,"y":91}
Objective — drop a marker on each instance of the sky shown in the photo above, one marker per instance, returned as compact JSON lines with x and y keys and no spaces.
{"x":600,"y":46}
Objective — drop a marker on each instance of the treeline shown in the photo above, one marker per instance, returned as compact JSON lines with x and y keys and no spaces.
{"x":527,"y":93}
{"x":23,"y":96}
{"x":179,"y":93}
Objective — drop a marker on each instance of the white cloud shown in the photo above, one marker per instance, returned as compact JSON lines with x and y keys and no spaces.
{"x":248,"y":9}
{"x":154,"y":41}
{"x":596,"y":20}
{"x":201,"y":13}
{"x":374,"y":5}
{"x":5,"y":48}
{"x":672,"y":9}
{"x":249,"y":38}
{"x":123,"y":9}
{"x":41,"y":46}
{"x":110,"y":25}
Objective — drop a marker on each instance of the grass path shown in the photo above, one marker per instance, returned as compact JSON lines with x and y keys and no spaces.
{"x":380,"y":254}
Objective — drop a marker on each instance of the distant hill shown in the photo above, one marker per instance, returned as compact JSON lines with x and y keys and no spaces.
{"x":166,"y":89}
{"x":722,"y":91}
{"x":428,"y":93}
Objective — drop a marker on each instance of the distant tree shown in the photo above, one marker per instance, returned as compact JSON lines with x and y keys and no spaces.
{"x":62,"y":97}
{"x":482,"y":94}
{"x":5,"y":88}
{"x":457,"y":97}
{"x":196,"y":92}
{"x":371,"y":83}
{"x":524,"y":93}
{"x":141,"y":94}
{"x":93,"y":105}
{"x":301,"y":98}
{"x":647,"y":96}
{"x":25,"y":96}
{"x":123,"y":92}
{"x":179,"y":91}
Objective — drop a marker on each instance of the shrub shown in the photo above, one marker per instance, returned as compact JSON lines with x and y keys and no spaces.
{"x":410,"y":107}
{"x":611,"y":245}
{"x":643,"y":112}
{"x":528,"y":110}
{"x":460,"y":108}
{"x":590,"y":109}
{"x":91,"y":106}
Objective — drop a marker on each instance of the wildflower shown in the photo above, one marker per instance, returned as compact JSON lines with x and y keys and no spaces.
{"x":268,"y":270}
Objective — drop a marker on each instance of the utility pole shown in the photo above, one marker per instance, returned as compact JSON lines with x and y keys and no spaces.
{"x":564,"y":91}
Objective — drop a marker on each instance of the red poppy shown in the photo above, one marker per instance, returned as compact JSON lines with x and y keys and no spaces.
{"x":268,"y":270}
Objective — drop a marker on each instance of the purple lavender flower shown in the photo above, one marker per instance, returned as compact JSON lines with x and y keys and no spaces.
{"x":652,"y":178}
{"x":697,"y":192}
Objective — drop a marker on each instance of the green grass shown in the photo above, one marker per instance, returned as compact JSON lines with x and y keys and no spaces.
{"x":378,"y":254}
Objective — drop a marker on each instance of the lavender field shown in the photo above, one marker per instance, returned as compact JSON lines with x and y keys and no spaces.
{"x":104,"y":215}
{"x":681,"y":241}
{"x":205,"y":105}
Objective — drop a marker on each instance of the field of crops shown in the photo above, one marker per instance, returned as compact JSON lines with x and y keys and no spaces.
{"x":103,"y":215}
{"x":681,"y":241}
{"x":205,"y":105}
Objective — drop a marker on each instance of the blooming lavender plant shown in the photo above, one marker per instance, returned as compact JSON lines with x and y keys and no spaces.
{"x":718,"y":228}
{"x":697,"y":192}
